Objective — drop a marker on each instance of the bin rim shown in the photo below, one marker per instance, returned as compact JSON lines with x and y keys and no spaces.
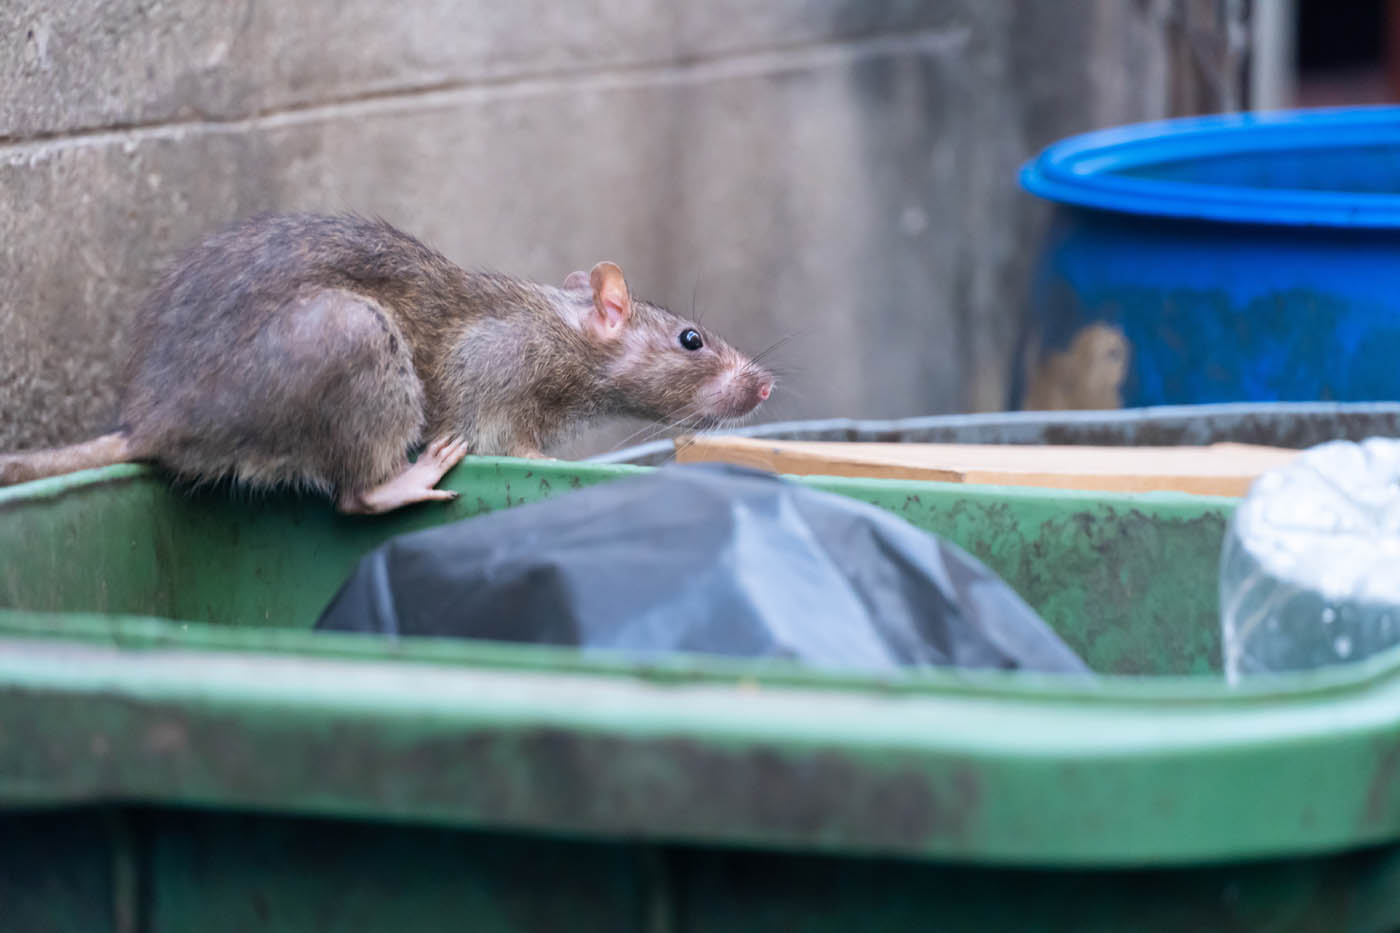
{"x":1147,"y":780}
{"x":1079,"y":171}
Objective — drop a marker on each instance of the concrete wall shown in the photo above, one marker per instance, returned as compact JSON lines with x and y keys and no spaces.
{"x":841,"y":170}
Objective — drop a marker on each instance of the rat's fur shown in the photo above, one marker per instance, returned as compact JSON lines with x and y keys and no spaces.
{"x":317,"y":351}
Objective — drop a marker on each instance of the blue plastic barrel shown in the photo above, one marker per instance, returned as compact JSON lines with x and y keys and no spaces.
{"x":1229,"y":258}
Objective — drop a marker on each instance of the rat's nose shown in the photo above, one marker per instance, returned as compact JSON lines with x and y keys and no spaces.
{"x":765,"y":389}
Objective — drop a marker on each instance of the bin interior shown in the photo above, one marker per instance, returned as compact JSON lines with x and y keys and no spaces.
{"x":1128,"y":580}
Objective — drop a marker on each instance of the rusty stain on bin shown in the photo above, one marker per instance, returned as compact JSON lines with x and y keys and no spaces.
{"x":1385,"y":784}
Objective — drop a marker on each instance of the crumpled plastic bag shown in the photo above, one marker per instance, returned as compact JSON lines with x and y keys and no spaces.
{"x":1310,"y":566}
{"x":705,"y":558}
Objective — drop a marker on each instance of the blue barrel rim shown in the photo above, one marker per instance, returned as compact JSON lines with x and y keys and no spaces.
{"x":1077,"y":170}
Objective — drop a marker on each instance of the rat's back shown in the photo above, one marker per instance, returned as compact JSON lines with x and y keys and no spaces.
{"x":225,"y":287}
{"x":214,"y":301}
{"x":263,"y":328}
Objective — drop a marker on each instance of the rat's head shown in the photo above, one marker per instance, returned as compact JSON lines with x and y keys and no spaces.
{"x":661,"y":366}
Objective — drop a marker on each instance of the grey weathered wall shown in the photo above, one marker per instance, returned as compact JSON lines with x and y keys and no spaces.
{"x":839,"y":169}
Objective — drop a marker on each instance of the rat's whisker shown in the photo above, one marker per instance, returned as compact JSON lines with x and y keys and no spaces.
{"x":693,"y":289}
{"x":686,"y":423}
{"x":644,"y":429}
{"x":652,"y":431}
{"x":773,"y":347}
{"x":682,"y":446}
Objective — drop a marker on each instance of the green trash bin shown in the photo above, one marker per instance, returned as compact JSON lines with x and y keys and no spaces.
{"x":179,"y":752}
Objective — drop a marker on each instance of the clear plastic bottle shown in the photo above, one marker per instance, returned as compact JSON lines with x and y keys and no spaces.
{"x":1310,"y":569}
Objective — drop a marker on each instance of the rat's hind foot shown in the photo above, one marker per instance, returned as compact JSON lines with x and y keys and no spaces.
{"x":414,"y":484}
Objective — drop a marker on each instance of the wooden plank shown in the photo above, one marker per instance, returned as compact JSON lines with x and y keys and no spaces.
{"x":1220,"y":469}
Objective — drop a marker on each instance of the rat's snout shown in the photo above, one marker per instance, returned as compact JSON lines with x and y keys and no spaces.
{"x":738,"y":389}
{"x":753,"y":390}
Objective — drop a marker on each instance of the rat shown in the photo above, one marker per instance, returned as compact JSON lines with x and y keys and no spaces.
{"x":320,"y":351}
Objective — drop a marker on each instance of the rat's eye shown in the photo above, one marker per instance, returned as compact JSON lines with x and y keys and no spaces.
{"x":690,"y":339}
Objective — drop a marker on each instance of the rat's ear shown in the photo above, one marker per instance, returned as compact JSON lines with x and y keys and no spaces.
{"x":612,"y":306}
{"x":576,"y":280}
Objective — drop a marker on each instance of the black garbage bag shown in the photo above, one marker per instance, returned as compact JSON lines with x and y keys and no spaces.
{"x":707,"y":559}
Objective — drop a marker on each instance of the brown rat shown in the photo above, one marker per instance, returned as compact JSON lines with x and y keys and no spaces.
{"x":317,"y":352}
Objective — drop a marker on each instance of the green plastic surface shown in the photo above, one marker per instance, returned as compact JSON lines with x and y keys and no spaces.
{"x":1127,"y":580}
{"x":155,"y":653}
